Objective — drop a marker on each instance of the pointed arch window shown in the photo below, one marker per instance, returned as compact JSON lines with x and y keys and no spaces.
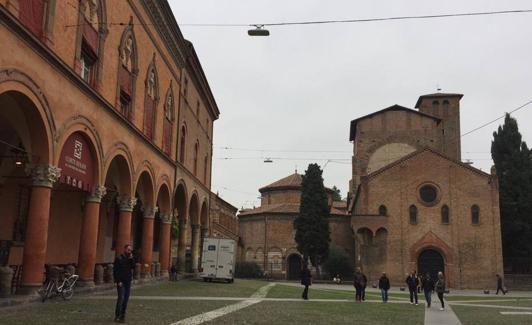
{"x":445,"y":215}
{"x":90,"y":40}
{"x":182,"y":141}
{"x":151,"y":98}
{"x":383,"y":211}
{"x":196,"y":154}
{"x":475,"y":214}
{"x":168,"y":121}
{"x":413,"y":214}
{"x":205,"y":168}
{"x":436,"y":108}
{"x":127,"y":72}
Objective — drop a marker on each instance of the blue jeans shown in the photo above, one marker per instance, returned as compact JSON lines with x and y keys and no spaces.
{"x":122,"y":299}
{"x":384,"y":294}
{"x":428,"y":297}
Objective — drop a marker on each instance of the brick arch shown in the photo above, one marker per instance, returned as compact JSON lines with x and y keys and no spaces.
{"x":82,"y":125}
{"x":194,"y":208}
{"x":404,"y":139}
{"x":120,"y":149}
{"x":180,"y":199}
{"x":17,"y":82}
{"x":431,"y":241}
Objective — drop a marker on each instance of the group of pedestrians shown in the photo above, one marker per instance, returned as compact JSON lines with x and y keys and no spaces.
{"x":428,"y":285}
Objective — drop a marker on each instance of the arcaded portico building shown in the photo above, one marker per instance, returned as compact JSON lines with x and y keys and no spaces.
{"x":106,"y":122}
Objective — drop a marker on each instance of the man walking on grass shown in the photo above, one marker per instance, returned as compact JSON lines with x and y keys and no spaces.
{"x":123,"y":274}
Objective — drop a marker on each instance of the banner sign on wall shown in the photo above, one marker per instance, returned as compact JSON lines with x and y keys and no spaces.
{"x":76,"y":163}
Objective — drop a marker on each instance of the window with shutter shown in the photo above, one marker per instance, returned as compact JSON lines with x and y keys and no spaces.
{"x":31,"y":14}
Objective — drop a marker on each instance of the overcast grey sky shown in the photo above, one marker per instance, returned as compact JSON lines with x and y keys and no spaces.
{"x":298,"y":89}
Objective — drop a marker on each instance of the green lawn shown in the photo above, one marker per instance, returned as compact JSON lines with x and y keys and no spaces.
{"x":85,"y":311}
{"x":525,"y":302}
{"x":489,"y":316}
{"x":308,"y":312}
{"x":195,"y":288}
{"x":287,"y":291}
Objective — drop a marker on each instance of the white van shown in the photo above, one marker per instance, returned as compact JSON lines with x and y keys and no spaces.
{"x":218,"y":259}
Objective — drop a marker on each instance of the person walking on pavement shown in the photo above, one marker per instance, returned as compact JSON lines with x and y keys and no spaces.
{"x":306,"y":280}
{"x":440,"y":289}
{"x":500,"y":286}
{"x":412,"y":282}
{"x":427,"y":284}
{"x":364,"y":284}
{"x":123,"y":274}
{"x":358,"y":283}
{"x":384,"y":285}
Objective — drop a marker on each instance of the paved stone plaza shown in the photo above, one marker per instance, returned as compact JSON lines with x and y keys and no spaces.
{"x":259,"y":302}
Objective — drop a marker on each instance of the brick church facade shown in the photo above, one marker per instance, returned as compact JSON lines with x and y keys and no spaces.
{"x":412,"y":205}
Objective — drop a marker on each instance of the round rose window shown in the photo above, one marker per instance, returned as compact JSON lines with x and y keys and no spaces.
{"x":428,"y":193}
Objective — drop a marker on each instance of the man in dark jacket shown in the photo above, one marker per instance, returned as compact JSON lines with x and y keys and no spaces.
{"x":412,"y":282}
{"x":384,"y":285}
{"x":428,"y":287}
{"x":500,"y":286}
{"x":359,"y":283}
{"x":306,"y":280}
{"x":123,"y":274}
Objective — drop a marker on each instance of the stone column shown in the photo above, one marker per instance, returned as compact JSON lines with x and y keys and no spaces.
{"x":44,"y":176}
{"x":196,"y":233}
{"x":182,"y":245}
{"x":123,"y":236}
{"x":89,"y":236}
{"x":147,"y":241}
{"x":204,"y":234}
{"x":164,"y":243}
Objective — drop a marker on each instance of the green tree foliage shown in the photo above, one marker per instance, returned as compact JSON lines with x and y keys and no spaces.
{"x":514,"y":170}
{"x":337,"y":196}
{"x":338,"y":262}
{"x":312,"y":224}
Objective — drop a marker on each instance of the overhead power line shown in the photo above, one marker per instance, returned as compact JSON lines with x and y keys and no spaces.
{"x":332,"y":21}
{"x":365,"y":20}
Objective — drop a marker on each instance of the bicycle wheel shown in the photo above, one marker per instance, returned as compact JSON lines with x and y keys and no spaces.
{"x":67,"y":293}
{"x":48,"y":290}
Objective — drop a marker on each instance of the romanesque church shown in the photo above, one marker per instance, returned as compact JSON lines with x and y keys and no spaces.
{"x":413,"y":204}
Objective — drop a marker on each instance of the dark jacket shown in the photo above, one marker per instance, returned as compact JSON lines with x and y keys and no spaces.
{"x":427,"y":284}
{"x":384,"y":283}
{"x":306,"y":277}
{"x":123,"y":268}
{"x":412,"y":281}
{"x":359,"y":280}
{"x":440,"y":286}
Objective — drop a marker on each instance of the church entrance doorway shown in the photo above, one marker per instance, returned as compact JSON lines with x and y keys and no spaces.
{"x":294,"y":266}
{"x":430,"y":261}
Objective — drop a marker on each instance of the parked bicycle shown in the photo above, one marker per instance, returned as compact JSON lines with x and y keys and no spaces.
{"x":52,"y":288}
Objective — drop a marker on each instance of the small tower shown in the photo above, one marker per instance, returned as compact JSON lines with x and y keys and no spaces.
{"x":446,"y":107}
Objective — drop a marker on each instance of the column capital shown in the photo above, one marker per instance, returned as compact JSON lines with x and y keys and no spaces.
{"x":126,"y":203}
{"x":149,"y":212}
{"x":96,"y":194}
{"x":166,"y":218}
{"x":44,"y":175}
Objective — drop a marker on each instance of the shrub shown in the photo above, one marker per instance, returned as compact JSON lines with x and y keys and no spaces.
{"x":338,"y":262}
{"x":250,"y":270}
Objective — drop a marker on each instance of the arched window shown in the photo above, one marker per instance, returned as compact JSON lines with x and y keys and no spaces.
{"x":168,"y":121}
{"x":205,"y":169}
{"x":436,"y":108}
{"x":445,"y":108}
{"x":151,"y":98}
{"x":413,"y":214}
{"x":383,"y":211}
{"x":475,"y":214}
{"x":196,"y":154}
{"x":89,"y":42}
{"x":127,"y":72}
{"x":445,"y":214}
{"x":182,"y":141}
